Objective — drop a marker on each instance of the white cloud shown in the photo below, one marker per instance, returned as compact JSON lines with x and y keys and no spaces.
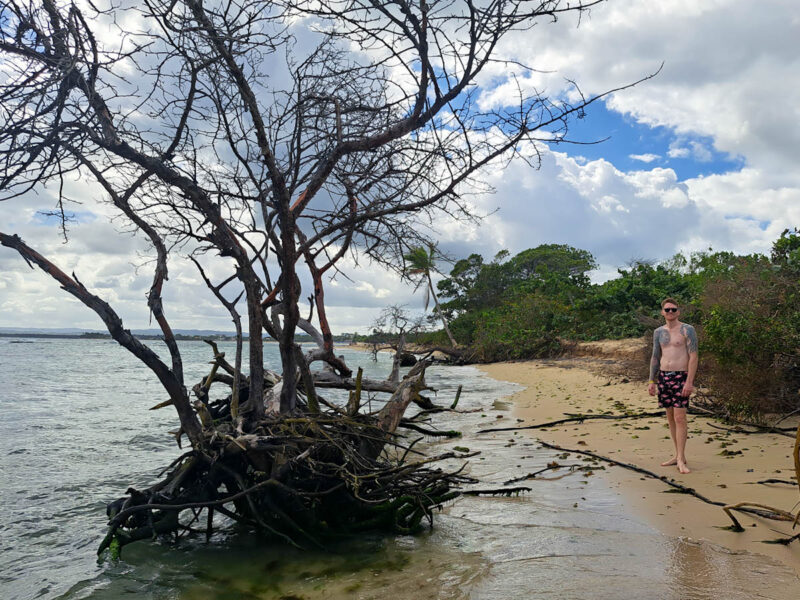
{"x":691,"y":149}
{"x":679,"y":152}
{"x":728,"y":85}
{"x":645,"y":158}
{"x":379,"y":293}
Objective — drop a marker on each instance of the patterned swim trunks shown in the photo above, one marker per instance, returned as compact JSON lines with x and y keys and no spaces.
{"x":670,"y":385}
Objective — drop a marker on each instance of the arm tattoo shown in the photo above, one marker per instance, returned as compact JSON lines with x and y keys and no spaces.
{"x":655,"y":361}
{"x":691,"y":337}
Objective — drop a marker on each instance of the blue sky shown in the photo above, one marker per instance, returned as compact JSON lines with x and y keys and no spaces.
{"x":689,"y":156}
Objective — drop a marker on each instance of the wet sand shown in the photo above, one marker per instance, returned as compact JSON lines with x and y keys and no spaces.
{"x":725,"y":466}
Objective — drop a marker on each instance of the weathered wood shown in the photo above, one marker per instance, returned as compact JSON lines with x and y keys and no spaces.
{"x":327,"y":379}
{"x":576,"y":419}
{"x":392,"y":412}
{"x":354,"y":402}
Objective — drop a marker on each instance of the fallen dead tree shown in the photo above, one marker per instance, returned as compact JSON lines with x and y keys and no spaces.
{"x":303,"y":479}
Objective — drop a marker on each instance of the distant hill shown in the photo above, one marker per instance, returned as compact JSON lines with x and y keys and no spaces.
{"x":73,"y":332}
{"x":53,"y":331}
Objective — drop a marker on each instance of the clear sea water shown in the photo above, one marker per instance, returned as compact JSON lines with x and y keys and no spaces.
{"x":75,"y":432}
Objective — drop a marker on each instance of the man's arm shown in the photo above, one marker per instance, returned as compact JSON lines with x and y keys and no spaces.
{"x":691,"y":347}
{"x":655,"y":361}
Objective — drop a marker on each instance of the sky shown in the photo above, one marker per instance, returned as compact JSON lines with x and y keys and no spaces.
{"x":703,"y":155}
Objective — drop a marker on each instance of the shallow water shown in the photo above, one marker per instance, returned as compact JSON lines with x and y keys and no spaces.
{"x":75,"y":432}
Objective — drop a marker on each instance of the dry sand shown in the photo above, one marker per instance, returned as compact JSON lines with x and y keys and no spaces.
{"x":725,"y":466}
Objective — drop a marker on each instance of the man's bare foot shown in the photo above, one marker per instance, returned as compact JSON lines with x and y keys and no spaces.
{"x":672,"y":461}
{"x":683,"y":468}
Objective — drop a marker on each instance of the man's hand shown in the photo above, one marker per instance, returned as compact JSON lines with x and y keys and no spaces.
{"x":687,"y":390}
{"x":651,"y":389}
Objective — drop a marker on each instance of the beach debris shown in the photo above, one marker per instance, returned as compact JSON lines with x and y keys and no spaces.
{"x":576,"y":419}
{"x":497,"y":492}
{"x":730,"y":453}
{"x":783,"y":541}
{"x":458,"y":396}
{"x":760,"y":510}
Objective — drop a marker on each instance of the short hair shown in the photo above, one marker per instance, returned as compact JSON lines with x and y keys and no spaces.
{"x":669,"y":301}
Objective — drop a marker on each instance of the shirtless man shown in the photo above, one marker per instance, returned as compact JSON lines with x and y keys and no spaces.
{"x":672,"y":370}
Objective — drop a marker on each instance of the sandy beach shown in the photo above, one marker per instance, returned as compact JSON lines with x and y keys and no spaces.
{"x":725,"y":466}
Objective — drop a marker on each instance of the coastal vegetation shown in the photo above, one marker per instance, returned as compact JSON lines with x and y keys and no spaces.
{"x":541,"y":301}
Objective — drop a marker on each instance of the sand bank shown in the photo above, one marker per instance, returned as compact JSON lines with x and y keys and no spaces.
{"x":725,"y":466}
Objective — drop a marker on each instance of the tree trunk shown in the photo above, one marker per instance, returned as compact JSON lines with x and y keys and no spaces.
{"x":394,"y":376}
{"x":441,"y":315}
{"x":392,"y":412}
{"x":255,"y":316}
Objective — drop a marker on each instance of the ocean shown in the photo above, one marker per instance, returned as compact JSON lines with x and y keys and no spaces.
{"x":76,"y":432}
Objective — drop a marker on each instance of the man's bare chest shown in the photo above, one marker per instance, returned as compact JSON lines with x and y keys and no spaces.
{"x":672,"y":340}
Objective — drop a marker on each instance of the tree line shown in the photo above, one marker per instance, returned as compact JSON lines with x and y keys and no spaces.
{"x":534,"y":304}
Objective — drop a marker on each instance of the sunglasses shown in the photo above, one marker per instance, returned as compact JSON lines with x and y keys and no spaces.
{"x":670,"y":310}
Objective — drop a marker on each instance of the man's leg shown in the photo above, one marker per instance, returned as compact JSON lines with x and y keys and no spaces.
{"x":681,"y":429}
{"x":671,"y":421}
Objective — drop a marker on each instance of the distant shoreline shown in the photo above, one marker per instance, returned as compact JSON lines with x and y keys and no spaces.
{"x":181,"y":337}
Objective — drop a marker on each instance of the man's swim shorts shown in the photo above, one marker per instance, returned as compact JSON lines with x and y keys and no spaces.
{"x":670,"y":385}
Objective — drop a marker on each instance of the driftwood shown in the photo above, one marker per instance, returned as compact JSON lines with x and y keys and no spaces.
{"x":554,"y":466}
{"x":575,"y":419}
{"x":761,"y":429}
{"x":496,"y":492}
{"x":328,"y":379}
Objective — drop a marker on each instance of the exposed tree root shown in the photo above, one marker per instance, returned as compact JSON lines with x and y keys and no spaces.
{"x":746,"y":507}
{"x":776,"y":513}
{"x":776,"y":430}
{"x":301,"y":478}
{"x":576,"y":419}
{"x":406,"y":424}
{"x":497,"y":492}
{"x":553,"y":466}
{"x":785,"y":431}
{"x":785,"y":541}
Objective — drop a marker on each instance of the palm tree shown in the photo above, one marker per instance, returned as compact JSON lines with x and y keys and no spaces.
{"x":420,"y":263}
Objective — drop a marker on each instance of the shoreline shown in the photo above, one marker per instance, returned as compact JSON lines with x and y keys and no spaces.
{"x":725,"y":466}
